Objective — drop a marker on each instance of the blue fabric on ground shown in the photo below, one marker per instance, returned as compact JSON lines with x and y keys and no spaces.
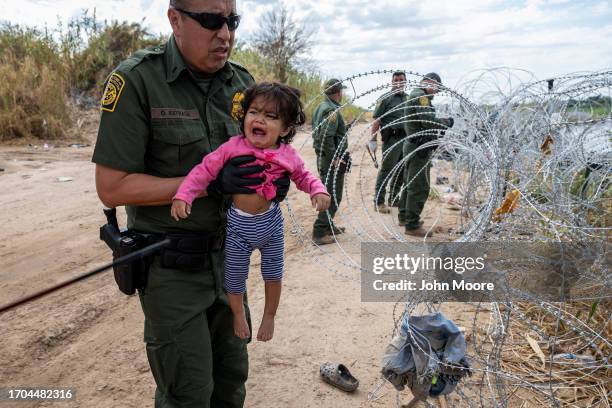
{"x":427,"y":347}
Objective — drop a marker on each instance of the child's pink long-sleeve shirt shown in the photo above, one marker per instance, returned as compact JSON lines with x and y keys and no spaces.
{"x":274,"y":161}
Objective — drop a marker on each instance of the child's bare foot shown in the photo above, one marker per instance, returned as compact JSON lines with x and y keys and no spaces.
{"x":241,"y":327}
{"x":266,"y":328}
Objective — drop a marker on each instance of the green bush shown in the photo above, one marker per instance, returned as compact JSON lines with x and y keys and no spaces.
{"x":310,"y":83}
{"x":107,"y":47}
{"x":33,"y":98}
{"x":40,"y":69}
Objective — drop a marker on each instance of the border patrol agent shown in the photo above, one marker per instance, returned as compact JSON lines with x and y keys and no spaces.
{"x":421,"y":126}
{"x":163,"y":109}
{"x":389,"y":115}
{"x":329,"y":130}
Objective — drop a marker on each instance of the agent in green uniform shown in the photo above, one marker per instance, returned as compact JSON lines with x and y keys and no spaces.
{"x":163,"y":109}
{"x":389,"y":115}
{"x":421,"y":126}
{"x":328,"y":131}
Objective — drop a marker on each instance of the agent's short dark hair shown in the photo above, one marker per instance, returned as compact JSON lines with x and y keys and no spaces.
{"x":178,"y":3}
{"x":288,"y":105}
{"x":398,"y":73}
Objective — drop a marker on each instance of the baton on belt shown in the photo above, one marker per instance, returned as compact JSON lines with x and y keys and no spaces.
{"x":141,"y":253}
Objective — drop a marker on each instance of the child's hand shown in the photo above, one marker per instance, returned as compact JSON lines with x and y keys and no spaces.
{"x":241,"y":327}
{"x":321,"y":202}
{"x":180,"y":209}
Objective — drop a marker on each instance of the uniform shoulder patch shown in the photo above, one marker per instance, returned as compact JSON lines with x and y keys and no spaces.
{"x":332,"y":117}
{"x":112,"y":92}
{"x":237,"y":111}
{"x":424,"y":101}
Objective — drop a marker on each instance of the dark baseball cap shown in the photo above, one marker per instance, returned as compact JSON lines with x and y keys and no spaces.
{"x":332,"y":86}
{"x":433,"y":77}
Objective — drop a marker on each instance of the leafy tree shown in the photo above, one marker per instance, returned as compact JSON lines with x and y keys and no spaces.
{"x":282,"y":40}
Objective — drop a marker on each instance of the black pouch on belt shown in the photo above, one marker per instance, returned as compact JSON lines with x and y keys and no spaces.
{"x":133,"y":275}
{"x":385,"y":134}
{"x":190,"y":251}
{"x":395,"y":133}
{"x":128,"y":276}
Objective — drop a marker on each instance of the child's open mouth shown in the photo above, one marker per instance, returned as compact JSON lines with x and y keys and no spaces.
{"x":258,"y":131}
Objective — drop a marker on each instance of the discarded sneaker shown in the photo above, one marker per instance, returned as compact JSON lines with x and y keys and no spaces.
{"x":339,"y":376}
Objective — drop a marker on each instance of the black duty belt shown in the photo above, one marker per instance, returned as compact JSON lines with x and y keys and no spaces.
{"x":389,"y":132}
{"x":189,"y":251}
{"x":191,"y":243}
{"x":397,"y":132}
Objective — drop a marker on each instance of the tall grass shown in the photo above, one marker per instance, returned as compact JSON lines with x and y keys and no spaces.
{"x":91,"y":57}
{"x":41,"y":70}
{"x":32,"y":85}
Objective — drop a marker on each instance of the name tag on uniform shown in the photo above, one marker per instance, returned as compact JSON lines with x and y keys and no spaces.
{"x":172,"y":113}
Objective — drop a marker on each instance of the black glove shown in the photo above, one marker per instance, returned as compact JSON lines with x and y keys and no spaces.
{"x":232,"y":180}
{"x":282,"y":187}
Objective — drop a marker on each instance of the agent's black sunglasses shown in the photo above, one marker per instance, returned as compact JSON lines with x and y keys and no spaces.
{"x":212,"y":21}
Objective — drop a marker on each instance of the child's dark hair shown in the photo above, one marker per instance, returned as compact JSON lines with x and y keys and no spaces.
{"x":288,"y":105}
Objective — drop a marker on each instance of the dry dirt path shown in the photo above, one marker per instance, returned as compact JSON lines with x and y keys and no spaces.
{"x":89,"y":336}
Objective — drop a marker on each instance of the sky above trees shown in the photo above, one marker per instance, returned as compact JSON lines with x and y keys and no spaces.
{"x":452,"y":37}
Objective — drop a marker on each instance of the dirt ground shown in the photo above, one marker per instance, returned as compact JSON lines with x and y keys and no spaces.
{"x":89,"y":336}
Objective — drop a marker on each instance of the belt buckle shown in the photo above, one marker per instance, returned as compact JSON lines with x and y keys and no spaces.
{"x":196,"y":243}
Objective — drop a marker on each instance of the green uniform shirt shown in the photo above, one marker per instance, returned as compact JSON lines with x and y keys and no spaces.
{"x":387,"y":112}
{"x":328,"y":129}
{"x":158,"y":118}
{"x":420,"y":114}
